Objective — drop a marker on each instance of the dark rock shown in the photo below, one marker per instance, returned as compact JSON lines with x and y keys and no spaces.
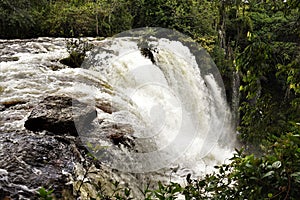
{"x":2,"y":107}
{"x":121,"y":138}
{"x":54,"y":67}
{"x":61,"y":115}
{"x":120,"y":134}
{"x":106,"y":107}
{"x":8,"y":104}
{"x":7,"y":59}
{"x":74,"y":60}
{"x":29,"y":161}
{"x":147,"y":53}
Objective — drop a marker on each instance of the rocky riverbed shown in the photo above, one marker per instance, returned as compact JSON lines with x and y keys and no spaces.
{"x":48,"y":152}
{"x":39,"y":143}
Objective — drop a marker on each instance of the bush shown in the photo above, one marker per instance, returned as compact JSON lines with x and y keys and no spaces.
{"x":77,"y":49}
{"x":276,"y":175}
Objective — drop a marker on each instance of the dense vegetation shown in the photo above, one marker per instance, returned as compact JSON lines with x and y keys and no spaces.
{"x":255,"y":44}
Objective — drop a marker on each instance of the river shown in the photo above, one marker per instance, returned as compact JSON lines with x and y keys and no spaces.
{"x":167,"y":103}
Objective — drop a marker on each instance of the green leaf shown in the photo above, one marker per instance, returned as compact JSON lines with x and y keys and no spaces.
{"x":270,"y":195}
{"x":160,"y":186}
{"x":249,"y":165}
{"x":127,"y":192}
{"x":295,"y":174}
{"x":42,"y":192}
{"x":268,"y":174}
{"x":201,"y":183}
{"x":158,"y":195}
{"x":45,"y":194}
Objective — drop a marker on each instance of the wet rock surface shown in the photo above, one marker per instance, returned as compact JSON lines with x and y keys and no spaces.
{"x":59,"y":114}
{"x":29,"y":161}
{"x":119,"y":134}
{"x":7,"y":59}
{"x":47,"y":152}
{"x":39,"y":123}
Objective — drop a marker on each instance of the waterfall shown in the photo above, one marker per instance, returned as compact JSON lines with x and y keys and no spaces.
{"x":173,"y":100}
{"x":161,"y":106}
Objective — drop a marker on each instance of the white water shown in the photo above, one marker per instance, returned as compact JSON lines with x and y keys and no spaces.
{"x":177,"y":109}
{"x":178,"y":113}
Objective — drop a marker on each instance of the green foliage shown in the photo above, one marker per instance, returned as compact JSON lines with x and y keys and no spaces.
{"x":65,"y":19}
{"x":45,"y":194}
{"x":20,"y":18}
{"x":113,"y":16}
{"x":77,"y":49}
{"x":167,"y":192}
{"x":267,"y":61}
{"x":118,"y":192}
{"x":276,"y":175}
{"x":193,"y":18}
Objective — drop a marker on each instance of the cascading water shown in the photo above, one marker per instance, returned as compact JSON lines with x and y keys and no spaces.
{"x":175,"y":107}
{"x":168,"y":114}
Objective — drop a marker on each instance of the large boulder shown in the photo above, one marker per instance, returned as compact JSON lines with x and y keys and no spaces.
{"x":61,"y":115}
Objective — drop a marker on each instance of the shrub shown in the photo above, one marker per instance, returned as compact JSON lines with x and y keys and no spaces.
{"x":77,"y":49}
{"x":276,"y":175}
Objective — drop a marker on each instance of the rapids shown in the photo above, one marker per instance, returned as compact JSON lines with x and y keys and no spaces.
{"x":172,"y":107}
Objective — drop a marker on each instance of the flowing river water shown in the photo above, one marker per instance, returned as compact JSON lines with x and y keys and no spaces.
{"x":168,"y":102}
